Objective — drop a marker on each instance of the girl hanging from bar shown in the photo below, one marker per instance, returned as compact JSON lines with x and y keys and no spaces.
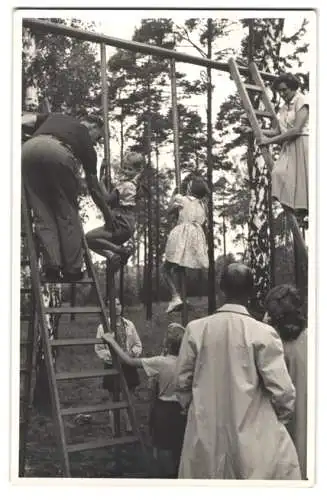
{"x":186,"y":245}
{"x":107,"y":241}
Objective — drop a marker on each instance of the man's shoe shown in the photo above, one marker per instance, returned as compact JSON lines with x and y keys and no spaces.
{"x":174,"y":304}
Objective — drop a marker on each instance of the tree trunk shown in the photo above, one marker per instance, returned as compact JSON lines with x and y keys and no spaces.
{"x":145,"y":264}
{"x":261,"y":241}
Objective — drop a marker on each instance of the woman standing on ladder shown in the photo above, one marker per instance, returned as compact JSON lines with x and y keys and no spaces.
{"x":289,"y":176}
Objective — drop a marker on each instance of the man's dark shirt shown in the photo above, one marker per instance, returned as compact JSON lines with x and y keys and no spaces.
{"x":72,"y":133}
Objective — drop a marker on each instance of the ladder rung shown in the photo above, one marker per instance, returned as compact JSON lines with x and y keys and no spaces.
{"x":73,"y":310}
{"x":26,"y":342}
{"x":255,"y":88}
{"x":69,"y":342}
{"x":103,"y":443}
{"x":86,"y":374}
{"x":25,"y":290}
{"x":95,"y":408}
{"x":260,"y":112}
{"x":25,"y":317}
{"x":84,"y":281}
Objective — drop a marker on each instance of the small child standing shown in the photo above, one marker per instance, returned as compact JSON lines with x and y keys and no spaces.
{"x":107,"y":241}
{"x":186,"y":245}
{"x":167,"y":422}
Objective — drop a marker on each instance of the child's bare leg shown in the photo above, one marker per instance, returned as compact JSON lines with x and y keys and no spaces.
{"x":170,"y":277}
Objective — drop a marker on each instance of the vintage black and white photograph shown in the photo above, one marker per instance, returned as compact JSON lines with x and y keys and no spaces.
{"x":164,"y":321}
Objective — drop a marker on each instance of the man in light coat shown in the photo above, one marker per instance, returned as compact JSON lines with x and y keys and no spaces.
{"x":232,"y":378}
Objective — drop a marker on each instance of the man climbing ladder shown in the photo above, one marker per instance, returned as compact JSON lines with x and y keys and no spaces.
{"x":59,"y":411}
{"x":51,"y":161}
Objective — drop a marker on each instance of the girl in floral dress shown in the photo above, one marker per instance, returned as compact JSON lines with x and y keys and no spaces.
{"x":186,"y":245}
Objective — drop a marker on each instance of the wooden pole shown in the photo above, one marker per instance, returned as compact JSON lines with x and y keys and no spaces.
{"x":105,"y":98}
{"x":104,"y":84}
{"x":211,"y":254}
{"x":175,"y":124}
{"x":177,"y":175}
{"x":142,"y":48}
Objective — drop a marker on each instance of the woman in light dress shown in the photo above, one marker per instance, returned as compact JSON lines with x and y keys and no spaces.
{"x":289,"y":176}
{"x":186,"y":245}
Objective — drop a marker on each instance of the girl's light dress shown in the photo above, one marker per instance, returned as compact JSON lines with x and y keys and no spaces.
{"x":186,"y":244}
{"x":289,"y":176}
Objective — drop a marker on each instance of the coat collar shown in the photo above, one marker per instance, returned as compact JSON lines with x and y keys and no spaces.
{"x":236,"y":308}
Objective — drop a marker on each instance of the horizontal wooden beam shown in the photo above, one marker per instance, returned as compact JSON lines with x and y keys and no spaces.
{"x":46,"y":27}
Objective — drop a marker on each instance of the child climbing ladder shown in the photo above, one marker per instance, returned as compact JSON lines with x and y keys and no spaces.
{"x":107,"y":240}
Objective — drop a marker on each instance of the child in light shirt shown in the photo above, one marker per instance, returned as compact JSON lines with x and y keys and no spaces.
{"x":167,"y":423}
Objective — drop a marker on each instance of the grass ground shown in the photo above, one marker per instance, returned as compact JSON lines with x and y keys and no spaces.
{"x":43,"y":457}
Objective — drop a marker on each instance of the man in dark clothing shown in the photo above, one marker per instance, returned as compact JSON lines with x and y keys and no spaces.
{"x":51,"y":161}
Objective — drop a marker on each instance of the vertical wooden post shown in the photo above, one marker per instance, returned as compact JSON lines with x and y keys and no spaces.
{"x":117,"y":388}
{"x":175,"y":123}
{"x":104,"y":84}
{"x":211,"y":254}
{"x":177,"y":173}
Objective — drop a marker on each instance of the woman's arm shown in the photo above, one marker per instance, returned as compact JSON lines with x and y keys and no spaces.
{"x":300,"y":119}
{"x":125,"y":358}
{"x":271,"y":132}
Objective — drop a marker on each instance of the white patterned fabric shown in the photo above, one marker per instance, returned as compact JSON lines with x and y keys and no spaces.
{"x":186,"y":244}
{"x":289,"y":178}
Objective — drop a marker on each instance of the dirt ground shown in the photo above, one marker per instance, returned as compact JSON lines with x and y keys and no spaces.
{"x":43,"y":456}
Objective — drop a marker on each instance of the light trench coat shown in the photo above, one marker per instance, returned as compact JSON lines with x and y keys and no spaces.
{"x":232,"y":374}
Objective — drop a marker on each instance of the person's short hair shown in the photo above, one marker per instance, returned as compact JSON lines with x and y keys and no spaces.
{"x":174,"y":337}
{"x":237,"y":281}
{"x":290,"y":80}
{"x":132,"y":158}
{"x":284,"y":307}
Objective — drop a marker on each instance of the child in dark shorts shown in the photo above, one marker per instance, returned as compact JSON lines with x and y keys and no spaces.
{"x":167,"y":422}
{"x":108,"y":241}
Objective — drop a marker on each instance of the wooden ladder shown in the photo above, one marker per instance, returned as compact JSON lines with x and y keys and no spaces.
{"x":38,"y":320}
{"x":257,"y":88}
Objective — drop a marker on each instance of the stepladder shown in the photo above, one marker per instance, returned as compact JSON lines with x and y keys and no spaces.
{"x":258,"y":107}
{"x":72,"y":376}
